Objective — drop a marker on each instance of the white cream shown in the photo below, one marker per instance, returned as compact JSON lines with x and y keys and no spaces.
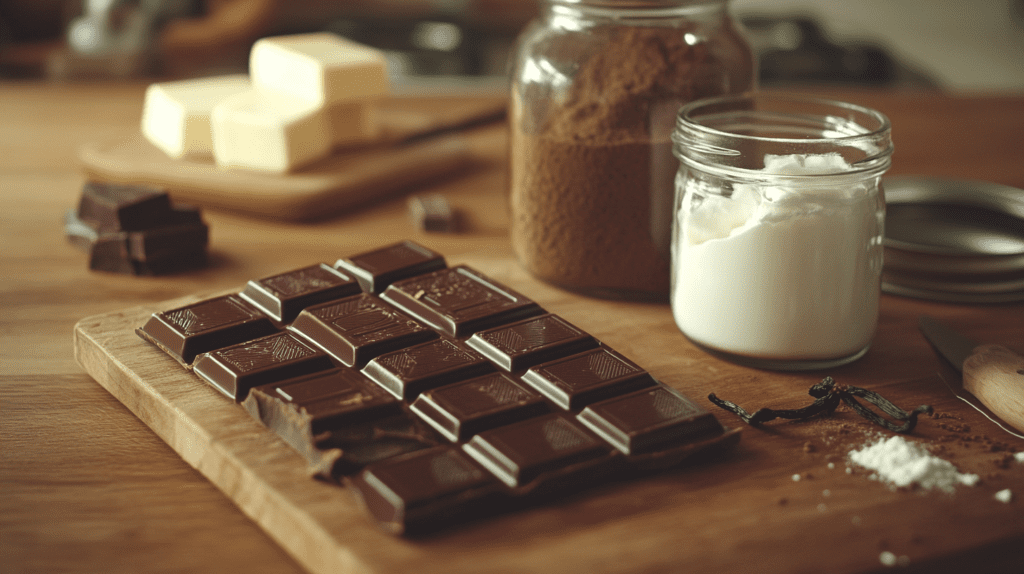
{"x":777,"y":271}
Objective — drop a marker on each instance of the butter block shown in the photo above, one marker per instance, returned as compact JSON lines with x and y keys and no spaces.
{"x":321,"y":67}
{"x":269,"y":131}
{"x":176,"y":115}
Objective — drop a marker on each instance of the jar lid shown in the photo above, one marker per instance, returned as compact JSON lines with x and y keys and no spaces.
{"x":953,"y":240}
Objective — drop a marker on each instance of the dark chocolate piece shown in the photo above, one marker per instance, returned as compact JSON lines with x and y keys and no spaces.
{"x":540,"y":449}
{"x":580,"y":379}
{"x":649,"y":419}
{"x":426,"y":490}
{"x":284,"y":296}
{"x":113,"y":207}
{"x":204,"y":326}
{"x":530,"y":342}
{"x":460,"y":410}
{"x":409,"y":372}
{"x":167,"y":242}
{"x":356,"y":329}
{"x":459,"y":301}
{"x":155,"y":251}
{"x":236,"y":369}
{"x":306,"y":406}
{"x":377,"y":269}
{"x":345,"y":449}
{"x":433,"y":213}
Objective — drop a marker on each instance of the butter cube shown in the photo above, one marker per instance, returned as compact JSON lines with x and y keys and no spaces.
{"x":352,"y":123}
{"x":176,"y":115}
{"x":269,"y":131}
{"x":321,"y":67}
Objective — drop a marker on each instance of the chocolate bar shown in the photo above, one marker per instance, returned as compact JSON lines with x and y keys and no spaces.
{"x":447,"y":397}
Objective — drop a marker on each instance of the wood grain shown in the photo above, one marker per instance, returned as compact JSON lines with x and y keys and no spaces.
{"x":709,"y":514}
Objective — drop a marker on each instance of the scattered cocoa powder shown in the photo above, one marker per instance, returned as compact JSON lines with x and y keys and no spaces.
{"x":592,"y":183}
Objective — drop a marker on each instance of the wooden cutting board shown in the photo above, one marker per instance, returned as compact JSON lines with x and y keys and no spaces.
{"x":418,"y":145}
{"x":770,"y":504}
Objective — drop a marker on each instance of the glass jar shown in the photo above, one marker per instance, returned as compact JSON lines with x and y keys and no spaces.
{"x":777,"y":243}
{"x":596,"y":87}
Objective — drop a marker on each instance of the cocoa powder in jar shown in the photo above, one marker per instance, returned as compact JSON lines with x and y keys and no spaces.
{"x":592,"y":188}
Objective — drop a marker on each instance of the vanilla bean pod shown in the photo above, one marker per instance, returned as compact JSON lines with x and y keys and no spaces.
{"x":828,"y":395}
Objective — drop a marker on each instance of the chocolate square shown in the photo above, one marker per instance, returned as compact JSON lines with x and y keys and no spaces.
{"x":284,"y":296}
{"x":356,"y":329}
{"x":586,"y":377}
{"x":408,"y":372}
{"x":530,"y":341}
{"x":236,"y":369}
{"x":377,"y":269}
{"x":649,"y":419}
{"x":460,"y":410}
{"x":459,"y":301}
{"x":204,"y":326}
{"x":524,"y":452}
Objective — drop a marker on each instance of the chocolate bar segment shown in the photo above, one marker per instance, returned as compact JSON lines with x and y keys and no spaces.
{"x":112,"y":207}
{"x":459,"y":301}
{"x":460,"y":410}
{"x":377,"y":269}
{"x":284,"y":296}
{"x":586,"y":377}
{"x":236,"y":369}
{"x":204,"y":326}
{"x":649,"y":419}
{"x":540,"y":449}
{"x":529,"y":342}
{"x":356,"y":329}
{"x":426,"y":490}
{"x":346,"y":449}
{"x":408,"y":372}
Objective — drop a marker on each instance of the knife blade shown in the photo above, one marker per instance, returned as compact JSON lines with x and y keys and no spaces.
{"x":992,"y":373}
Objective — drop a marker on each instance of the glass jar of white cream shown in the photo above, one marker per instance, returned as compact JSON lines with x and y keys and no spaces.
{"x":777,"y":236}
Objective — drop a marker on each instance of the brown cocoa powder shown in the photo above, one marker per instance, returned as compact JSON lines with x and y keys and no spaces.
{"x":591,"y":191}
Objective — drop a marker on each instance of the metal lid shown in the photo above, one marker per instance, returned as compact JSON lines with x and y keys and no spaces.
{"x":954,"y":240}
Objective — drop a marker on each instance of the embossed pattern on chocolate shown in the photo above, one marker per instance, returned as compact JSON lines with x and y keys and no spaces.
{"x":357,"y":329}
{"x":284,"y":296}
{"x":586,"y":377}
{"x":377,"y":269}
{"x":459,"y":301}
{"x":204,"y":326}
{"x":531,"y":341}
{"x":460,"y":410}
{"x":409,"y":372}
{"x":236,"y":369}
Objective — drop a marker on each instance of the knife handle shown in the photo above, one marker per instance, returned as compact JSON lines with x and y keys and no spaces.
{"x":995,"y":375}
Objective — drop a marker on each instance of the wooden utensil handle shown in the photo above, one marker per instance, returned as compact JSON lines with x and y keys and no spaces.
{"x":995,"y":375}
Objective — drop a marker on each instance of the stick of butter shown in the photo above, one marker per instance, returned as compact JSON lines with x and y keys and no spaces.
{"x":269,"y":131}
{"x":321,"y":67}
{"x":176,"y":115}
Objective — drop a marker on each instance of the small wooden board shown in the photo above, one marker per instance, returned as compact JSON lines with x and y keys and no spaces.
{"x":415,"y":148}
{"x":742,"y":510}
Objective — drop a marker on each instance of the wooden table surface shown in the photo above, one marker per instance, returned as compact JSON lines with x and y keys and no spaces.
{"x":86,"y":487}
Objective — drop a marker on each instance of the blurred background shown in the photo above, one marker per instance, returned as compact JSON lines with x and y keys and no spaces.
{"x":958,"y":46}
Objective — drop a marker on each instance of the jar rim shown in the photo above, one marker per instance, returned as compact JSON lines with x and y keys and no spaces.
{"x":718,"y":131}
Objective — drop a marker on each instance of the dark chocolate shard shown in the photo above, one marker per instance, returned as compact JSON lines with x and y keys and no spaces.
{"x":356,"y":329}
{"x":285,"y":295}
{"x":531,"y":341}
{"x":114,"y":207}
{"x":541,"y":449}
{"x":236,"y":369}
{"x":426,"y":490}
{"x":575,"y":381}
{"x":459,"y":301}
{"x":377,"y":269}
{"x":346,"y":449}
{"x":167,"y":242}
{"x":408,"y":372}
{"x":204,"y":326}
{"x":460,"y":410}
{"x":649,"y":419}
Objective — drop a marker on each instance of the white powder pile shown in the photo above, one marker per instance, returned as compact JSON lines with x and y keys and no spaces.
{"x":902,"y":463}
